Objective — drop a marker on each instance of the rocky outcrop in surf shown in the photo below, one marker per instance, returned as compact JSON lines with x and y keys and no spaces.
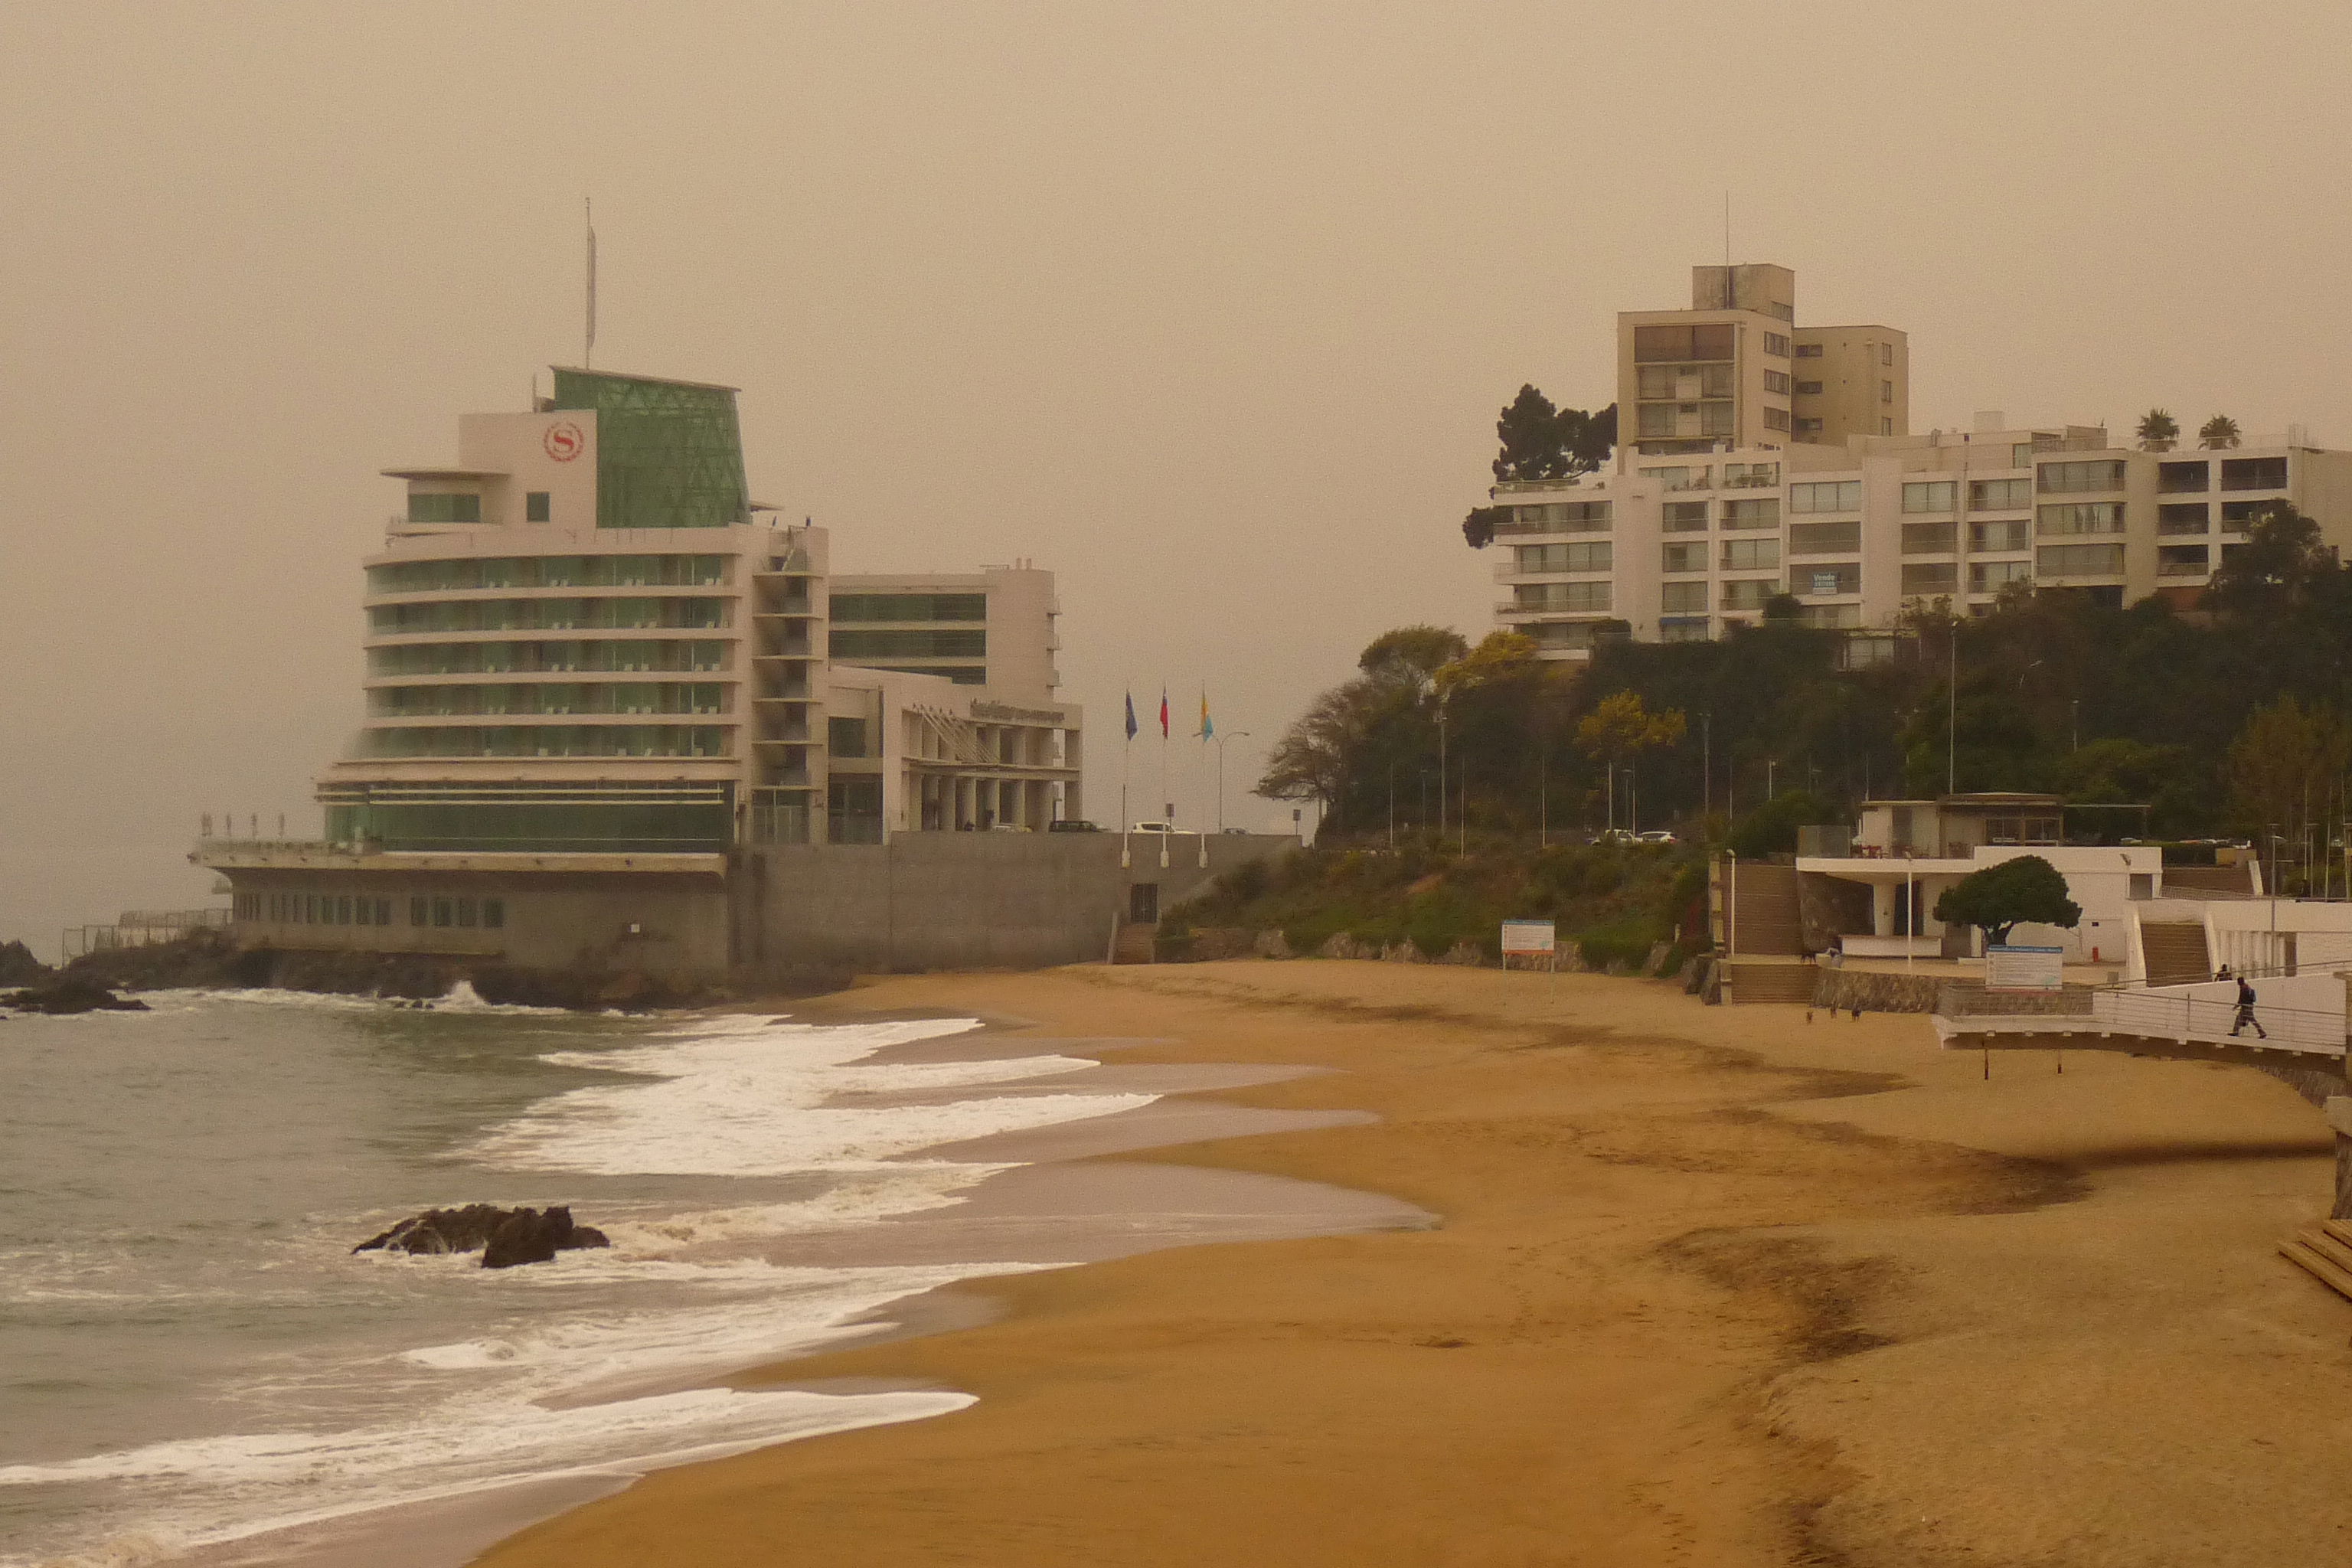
{"x":504,"y":1237}
{"x":19,"y":967}
{"x":69,"y":996}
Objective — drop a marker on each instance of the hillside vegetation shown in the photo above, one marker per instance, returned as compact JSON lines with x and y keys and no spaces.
{"x":1615,"y":902}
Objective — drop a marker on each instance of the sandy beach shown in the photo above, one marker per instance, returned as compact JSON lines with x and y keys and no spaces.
{"x":1710,"y":1285}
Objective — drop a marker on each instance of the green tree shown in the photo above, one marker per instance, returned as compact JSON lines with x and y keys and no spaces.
{"x":2285,"y":772}
{"x":2001,"y":898}
{"x":1772,"y":829}
{"x":2218,"y":433}
{"x":1541,"y":442}
{"x":1785,"y":608}
{"x":1532,"y":444}
{"x":2157,"y":431}
{"x":1621,"y":729}
{"x":1478,"y":527}
{"x":2279,"y":569}
{"x":1413,"y":655}
{"x":1588,"y":439}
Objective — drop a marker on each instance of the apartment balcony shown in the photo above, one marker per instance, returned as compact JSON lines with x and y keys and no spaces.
{"x":1517,"y":610}
{"x":2253,"y":473}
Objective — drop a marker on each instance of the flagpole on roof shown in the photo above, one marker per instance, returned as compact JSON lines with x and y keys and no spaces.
{"x":1126,"y":766}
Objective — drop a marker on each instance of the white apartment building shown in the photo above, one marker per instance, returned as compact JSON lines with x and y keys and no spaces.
{"x":584,"y":638}
{"x":1689,"y":535}
{"x":1685,"y":550}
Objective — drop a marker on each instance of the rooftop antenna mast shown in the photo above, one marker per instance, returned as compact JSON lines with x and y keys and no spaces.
{"x":588,"y":352}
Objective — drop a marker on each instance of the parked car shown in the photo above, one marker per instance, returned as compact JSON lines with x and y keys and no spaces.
{"x":1157,"y":827}
{"x":1614,"y":835}
{"x":1072,"y":825}
{"x":1659,"y":835}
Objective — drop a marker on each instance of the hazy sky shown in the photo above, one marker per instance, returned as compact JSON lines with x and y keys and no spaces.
{"x":1208,"y":307}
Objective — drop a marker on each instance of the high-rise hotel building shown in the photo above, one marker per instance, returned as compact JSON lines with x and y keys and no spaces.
{"x":1757,"y":457}
{"x":584,"y":636}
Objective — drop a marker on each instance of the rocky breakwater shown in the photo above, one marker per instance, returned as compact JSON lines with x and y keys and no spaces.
{"x":70,"y":996}
{"x":504,"y":1237}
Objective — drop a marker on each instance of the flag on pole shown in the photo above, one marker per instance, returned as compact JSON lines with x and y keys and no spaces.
{"x":1208,"y":731}
{"x":1163,"y":712}
{"x":1130,"y":715}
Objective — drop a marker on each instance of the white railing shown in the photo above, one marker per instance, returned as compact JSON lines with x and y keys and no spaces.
{"x":2206,"y":1013}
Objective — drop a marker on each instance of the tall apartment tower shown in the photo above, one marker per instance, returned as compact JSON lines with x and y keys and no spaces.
{"x":1735,"y":371}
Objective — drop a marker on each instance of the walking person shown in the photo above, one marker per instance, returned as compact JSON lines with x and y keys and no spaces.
{"x":2246,"y":1011}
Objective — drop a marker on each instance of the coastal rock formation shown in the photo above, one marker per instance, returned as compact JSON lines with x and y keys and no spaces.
{"x":70,"y":996}
{"x":19,"y":967}
{"x":205,"y":957}
{"x":503,"y":1236}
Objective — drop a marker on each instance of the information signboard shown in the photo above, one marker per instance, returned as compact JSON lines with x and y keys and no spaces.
{"x":1529,"y":936}
{"x":2025,"y":968}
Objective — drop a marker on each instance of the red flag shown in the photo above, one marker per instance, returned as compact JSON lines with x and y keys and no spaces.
{"x":1163,"y":712}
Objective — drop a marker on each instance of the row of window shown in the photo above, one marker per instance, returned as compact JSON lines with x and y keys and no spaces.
{"x":908,"y":645}
{"x":561,"y":657}
{"x":1701,"y":476}
{"x":556,"y":697}
{"x":910,"y":606}
{"x":1562,"y":517}
{"x":548,"y":572}
{"x":1669,"y":344}
{"x":2237,"y":474}
{"x":1664,"y":420}
{"x":425,"y":910}
{"x":545,"y":615}
{"x":1666,"y":383}
{"x":1942,"y":538}
{"x":1592,"y":557}
{"x":1737,"y":555}
{"x":549,"y":741}
{"x":1690,"y":516}
{"x":1562,"y":596}
{"x":2196,"y":516}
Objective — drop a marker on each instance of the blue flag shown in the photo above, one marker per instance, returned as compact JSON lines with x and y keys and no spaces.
{"x":1130,"y":715}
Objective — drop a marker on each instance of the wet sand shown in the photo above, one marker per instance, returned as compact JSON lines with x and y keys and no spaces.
{"x":1712,"y":1286}
{"x":1053,"y":1205}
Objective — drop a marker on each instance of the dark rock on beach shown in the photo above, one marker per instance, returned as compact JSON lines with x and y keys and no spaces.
{"x":70,"y":996}
{"x":19,"y":967}
{"x":503,"y":1236}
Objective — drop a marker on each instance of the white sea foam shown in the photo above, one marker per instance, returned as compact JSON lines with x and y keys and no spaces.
{"x":513,"y":1394}
{"x":216,"y":1488}
{"x":742,"y":1097}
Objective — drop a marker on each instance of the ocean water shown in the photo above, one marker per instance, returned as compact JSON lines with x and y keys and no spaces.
{"x":190,"y":1354}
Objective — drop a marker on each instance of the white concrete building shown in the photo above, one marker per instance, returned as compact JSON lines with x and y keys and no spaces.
{"x":1908,"y":853}
{"x":1688,"y":534}
{"x":585,"y":638}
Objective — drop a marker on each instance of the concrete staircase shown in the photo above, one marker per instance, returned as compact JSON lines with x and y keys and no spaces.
{"x":2174,"y":951}
{"x":1134,"y":943}
{"x":2209,"y":882}
{"x":1746,"y":983}
{"x":1766,"y":920}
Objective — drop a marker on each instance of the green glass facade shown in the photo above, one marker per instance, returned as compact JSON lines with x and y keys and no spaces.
{"x":547,"y":819}
{"x":668,"y":455}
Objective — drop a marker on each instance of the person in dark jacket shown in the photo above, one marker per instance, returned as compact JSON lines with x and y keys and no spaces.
{"x":2246,"y":1011}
